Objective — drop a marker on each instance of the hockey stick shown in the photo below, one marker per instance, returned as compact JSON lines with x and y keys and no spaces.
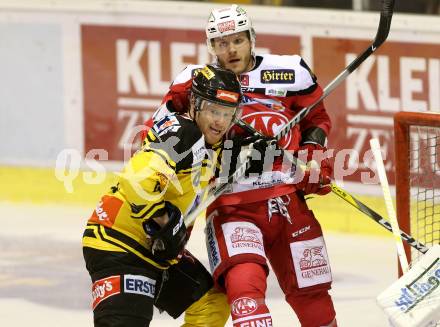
{"x":217,"y":191}
{"x":347,"y":197}
{"x":383,"y":29}
{"x":214,"y":192}
{"x":376,"y":217}
{"x":381,"y":35}
{"x":375,"y":147}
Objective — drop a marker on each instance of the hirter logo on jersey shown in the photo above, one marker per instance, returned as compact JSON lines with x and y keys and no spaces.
{"x":278,"y":76}
{"x":226,"y":26}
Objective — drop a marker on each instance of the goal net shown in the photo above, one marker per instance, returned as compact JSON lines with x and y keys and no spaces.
{"x":417,"y":155}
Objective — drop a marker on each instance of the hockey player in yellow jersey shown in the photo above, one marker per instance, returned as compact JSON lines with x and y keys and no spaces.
{"x":136,"y":235}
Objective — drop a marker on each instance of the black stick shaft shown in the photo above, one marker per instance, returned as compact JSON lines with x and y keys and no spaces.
{"x":383,"y":29}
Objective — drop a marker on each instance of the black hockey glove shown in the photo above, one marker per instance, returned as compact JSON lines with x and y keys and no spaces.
{"x":262,"y":155}
{"x":167,"y":242}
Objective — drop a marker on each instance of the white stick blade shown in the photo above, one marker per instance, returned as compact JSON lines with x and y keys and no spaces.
{"x":375,"y":148}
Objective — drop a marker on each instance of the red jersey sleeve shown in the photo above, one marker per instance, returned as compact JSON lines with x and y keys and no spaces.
{"x":176,"y":100}
{"x":318,"y":117}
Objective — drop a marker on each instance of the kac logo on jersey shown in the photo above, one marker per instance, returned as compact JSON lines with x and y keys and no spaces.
{"x":278,"y":76}
{"x":244,"y":306}
{"x":269,"y":123}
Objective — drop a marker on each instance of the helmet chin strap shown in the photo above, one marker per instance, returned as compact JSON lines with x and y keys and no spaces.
{"x":196,"y":104}
{"x":193,"y":109}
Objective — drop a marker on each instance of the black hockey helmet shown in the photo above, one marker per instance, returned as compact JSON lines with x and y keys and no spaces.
{"x":217,"y":85}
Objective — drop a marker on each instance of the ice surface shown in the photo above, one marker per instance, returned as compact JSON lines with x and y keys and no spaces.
{"x":43,"y":281}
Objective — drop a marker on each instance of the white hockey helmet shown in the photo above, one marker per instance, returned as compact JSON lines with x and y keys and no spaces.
{"x":227,"y":21}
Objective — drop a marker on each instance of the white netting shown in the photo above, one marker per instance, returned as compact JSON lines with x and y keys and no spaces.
{"x":425,"y":186}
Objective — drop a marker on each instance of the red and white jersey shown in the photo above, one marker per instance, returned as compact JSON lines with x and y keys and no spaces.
{"x":274,"y":91}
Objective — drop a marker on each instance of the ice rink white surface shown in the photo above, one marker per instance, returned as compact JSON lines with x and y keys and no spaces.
{"x":43,"y":281}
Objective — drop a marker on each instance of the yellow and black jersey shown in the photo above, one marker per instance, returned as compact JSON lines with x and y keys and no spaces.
{"x":174,"y":165}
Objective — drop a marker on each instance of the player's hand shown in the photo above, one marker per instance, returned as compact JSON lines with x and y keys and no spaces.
{"x":260,"y":146}
{"x":266,"y":150}
{"x":317,"y":176}
{"x":168,"y":241}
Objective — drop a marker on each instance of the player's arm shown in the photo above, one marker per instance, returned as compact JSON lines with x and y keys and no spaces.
{"x":314,"y":128}
{"x":311,"y":92}
{"x":147,"y":177}
{"x":175,"y":138}
{"x":176,"y":99}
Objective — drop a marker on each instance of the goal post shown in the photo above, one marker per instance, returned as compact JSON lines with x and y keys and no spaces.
{"x":417,"y":160}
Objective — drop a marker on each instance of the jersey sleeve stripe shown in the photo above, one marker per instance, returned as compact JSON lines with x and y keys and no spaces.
{"x":150,"y":212}
{"x":168,"y":161}
{"x":119,"y":239}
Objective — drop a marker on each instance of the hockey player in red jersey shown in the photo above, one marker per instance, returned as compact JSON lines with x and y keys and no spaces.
{"x":267,"y":219}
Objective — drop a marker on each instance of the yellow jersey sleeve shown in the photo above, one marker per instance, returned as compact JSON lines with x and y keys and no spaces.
{"x":143,"y":183}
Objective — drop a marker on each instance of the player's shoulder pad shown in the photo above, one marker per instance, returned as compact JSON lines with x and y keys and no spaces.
{"x":286,"y":69}
{"x":186,"y":74}
{"x":180,"y":138}
{"x":177,"y":125}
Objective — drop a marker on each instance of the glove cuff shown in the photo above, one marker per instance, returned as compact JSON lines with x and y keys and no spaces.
{"x":314,"y":135}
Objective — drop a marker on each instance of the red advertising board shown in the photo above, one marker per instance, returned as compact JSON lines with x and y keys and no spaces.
{"x":127,"y":70}
{"x":399,"y":76}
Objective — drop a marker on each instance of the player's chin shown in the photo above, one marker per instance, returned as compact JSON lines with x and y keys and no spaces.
{"x":213,"y":138}
{"x":236,"y":66}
